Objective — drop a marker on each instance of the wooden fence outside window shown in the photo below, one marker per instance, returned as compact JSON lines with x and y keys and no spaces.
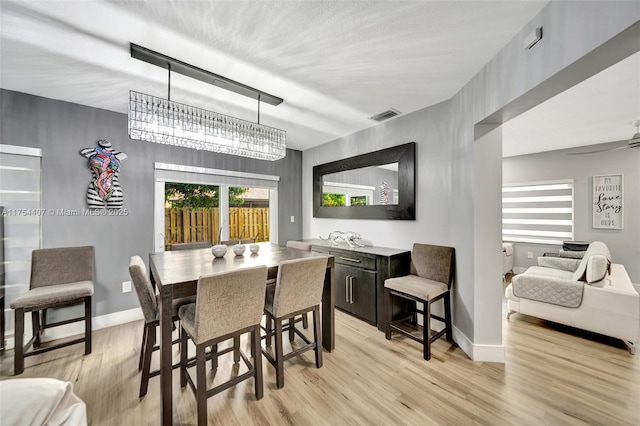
{"x":190,"y":225}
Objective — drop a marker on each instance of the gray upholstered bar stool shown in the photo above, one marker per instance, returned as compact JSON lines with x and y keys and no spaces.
{"x":429,"y":280}
{"x":59,"y":277}
{"x":300,"y":245}
{"x":298,"y":290}
{"x":228,"y":305}
{"x":149,"y":304}
{"x":190,"y":246}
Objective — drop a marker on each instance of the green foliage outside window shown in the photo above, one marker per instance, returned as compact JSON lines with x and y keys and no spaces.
{"x":359,"y":201}
{"x":193,"y":195}
{"x":333,"y":199}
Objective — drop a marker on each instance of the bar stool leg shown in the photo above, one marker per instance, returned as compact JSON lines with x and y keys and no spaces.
{"x":201,"y":390}
{"x":317,"y":335}
{"x":389,"y":313}
{"x":426,"y":330}
{"x":279,"y":354}
{"x":236,"y":349}
{"x":18,"y":362}
{"x":447,"y":316}
{"x":257,"y":362}
{"x":87,"y":325}
{"x":35,"y":328}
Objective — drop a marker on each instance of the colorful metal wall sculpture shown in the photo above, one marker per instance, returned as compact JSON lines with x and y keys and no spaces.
{"x":104,"y":190}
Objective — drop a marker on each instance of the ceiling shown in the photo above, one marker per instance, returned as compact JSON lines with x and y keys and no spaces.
{"x":335,"y":63}
{"x":598,"y":110}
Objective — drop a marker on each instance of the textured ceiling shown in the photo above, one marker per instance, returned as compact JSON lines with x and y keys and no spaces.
{"x":595,"y":111}
{"x":334,"y":63}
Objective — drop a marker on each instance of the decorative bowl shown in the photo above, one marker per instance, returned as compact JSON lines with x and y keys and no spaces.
{"x":238,"y":249}
{"x":254,"y":248}
{"x":219,"y":250}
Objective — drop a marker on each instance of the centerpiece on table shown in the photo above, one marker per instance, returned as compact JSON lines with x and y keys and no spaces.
{"x":219,"y":250}
{"x":239,"y":248}
{"x":254,"y":248}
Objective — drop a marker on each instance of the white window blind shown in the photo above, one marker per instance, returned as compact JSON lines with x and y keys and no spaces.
{"x":538,"y":213}
{"x":189,"y":174}
{"x":20,"y":195}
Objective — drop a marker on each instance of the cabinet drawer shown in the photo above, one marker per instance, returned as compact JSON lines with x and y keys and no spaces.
{"x":354,"y":259}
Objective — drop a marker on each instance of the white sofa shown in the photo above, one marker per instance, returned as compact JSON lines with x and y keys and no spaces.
{"x":591,"y":293}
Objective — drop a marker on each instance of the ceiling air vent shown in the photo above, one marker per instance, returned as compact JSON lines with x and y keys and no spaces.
{"x":390,"y":113}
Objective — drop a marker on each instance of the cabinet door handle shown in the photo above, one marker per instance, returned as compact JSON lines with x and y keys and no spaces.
{"x":351,"y":259}
{"x":351,"y":290}
{"x":346,"y":289}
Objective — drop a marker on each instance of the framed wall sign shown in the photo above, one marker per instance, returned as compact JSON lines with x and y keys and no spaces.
{"x":608,"y":206}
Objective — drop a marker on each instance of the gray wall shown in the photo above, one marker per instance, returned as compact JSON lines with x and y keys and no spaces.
{"x":62,"y":129}
{"x":446,"y":162}
{"x":624,"y":244}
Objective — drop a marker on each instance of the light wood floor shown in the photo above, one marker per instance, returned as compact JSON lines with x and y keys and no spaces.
{"x":552,"y":376}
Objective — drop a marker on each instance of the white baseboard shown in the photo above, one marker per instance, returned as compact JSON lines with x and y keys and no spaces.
{"x":479,"y":353}
{"x":102,"y":321}
{"x":489,"y":353}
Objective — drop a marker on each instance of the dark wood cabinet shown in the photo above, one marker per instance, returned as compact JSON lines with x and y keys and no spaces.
{"x":356,"y":291}
{"x":360,"y":273}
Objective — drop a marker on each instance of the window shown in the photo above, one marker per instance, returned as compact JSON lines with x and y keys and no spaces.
{"x":21,"y":197}
{"x":229,"y":220}
{"x":538,"y":213}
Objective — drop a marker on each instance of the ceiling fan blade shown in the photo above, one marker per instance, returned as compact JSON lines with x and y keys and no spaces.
{"x":600,"y":150}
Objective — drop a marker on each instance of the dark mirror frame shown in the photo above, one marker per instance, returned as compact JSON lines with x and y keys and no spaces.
{"x":404,"y":155}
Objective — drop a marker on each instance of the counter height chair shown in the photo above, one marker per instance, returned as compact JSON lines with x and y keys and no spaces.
{"x":298,"y":290}
{"x":59,"y":277}
{"x":300,"y":245}
{"x":191,"y":246}
{"x":228,"y":304}
{"x":429,"y":280}
{"x":151,"y":312}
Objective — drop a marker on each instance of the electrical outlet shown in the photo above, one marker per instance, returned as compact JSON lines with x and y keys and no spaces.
{"x":530,"y":254}
{"x":293,"y":219}
{"x":126,"y":286}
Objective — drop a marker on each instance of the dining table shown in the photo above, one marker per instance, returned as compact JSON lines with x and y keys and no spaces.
{"x":175,"y":274}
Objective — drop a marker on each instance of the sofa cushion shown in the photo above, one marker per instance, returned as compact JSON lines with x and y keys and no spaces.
{"x":559,"y":263}
{"x":595,"y":248}
{"x":548,"y":272}
{"x":556,"y":291}
{"x":597,"y":268}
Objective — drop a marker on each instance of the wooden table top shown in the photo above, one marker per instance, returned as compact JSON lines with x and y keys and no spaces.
{"x":184,"y":266}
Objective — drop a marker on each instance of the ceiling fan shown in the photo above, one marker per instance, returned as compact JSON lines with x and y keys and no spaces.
{"x":634,"y":142}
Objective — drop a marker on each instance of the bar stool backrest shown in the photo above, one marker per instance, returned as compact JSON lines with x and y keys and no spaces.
{"x":433,"y":262}
{"x":229,"y":301}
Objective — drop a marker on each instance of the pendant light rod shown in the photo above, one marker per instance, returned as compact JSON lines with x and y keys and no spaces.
{"x":169,"y":83}
{"x":163,"y":61}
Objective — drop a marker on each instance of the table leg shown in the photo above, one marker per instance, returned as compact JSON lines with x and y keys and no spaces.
{"x":166,"y":357}
{"x":328,"y":309}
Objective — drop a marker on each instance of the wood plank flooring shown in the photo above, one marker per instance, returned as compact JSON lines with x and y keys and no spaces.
{"x":553,"y":375}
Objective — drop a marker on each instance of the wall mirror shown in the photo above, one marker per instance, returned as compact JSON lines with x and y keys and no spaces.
{"x":377,"y":185}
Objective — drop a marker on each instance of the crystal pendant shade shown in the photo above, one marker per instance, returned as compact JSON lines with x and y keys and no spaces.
{"x":163,"y":121}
